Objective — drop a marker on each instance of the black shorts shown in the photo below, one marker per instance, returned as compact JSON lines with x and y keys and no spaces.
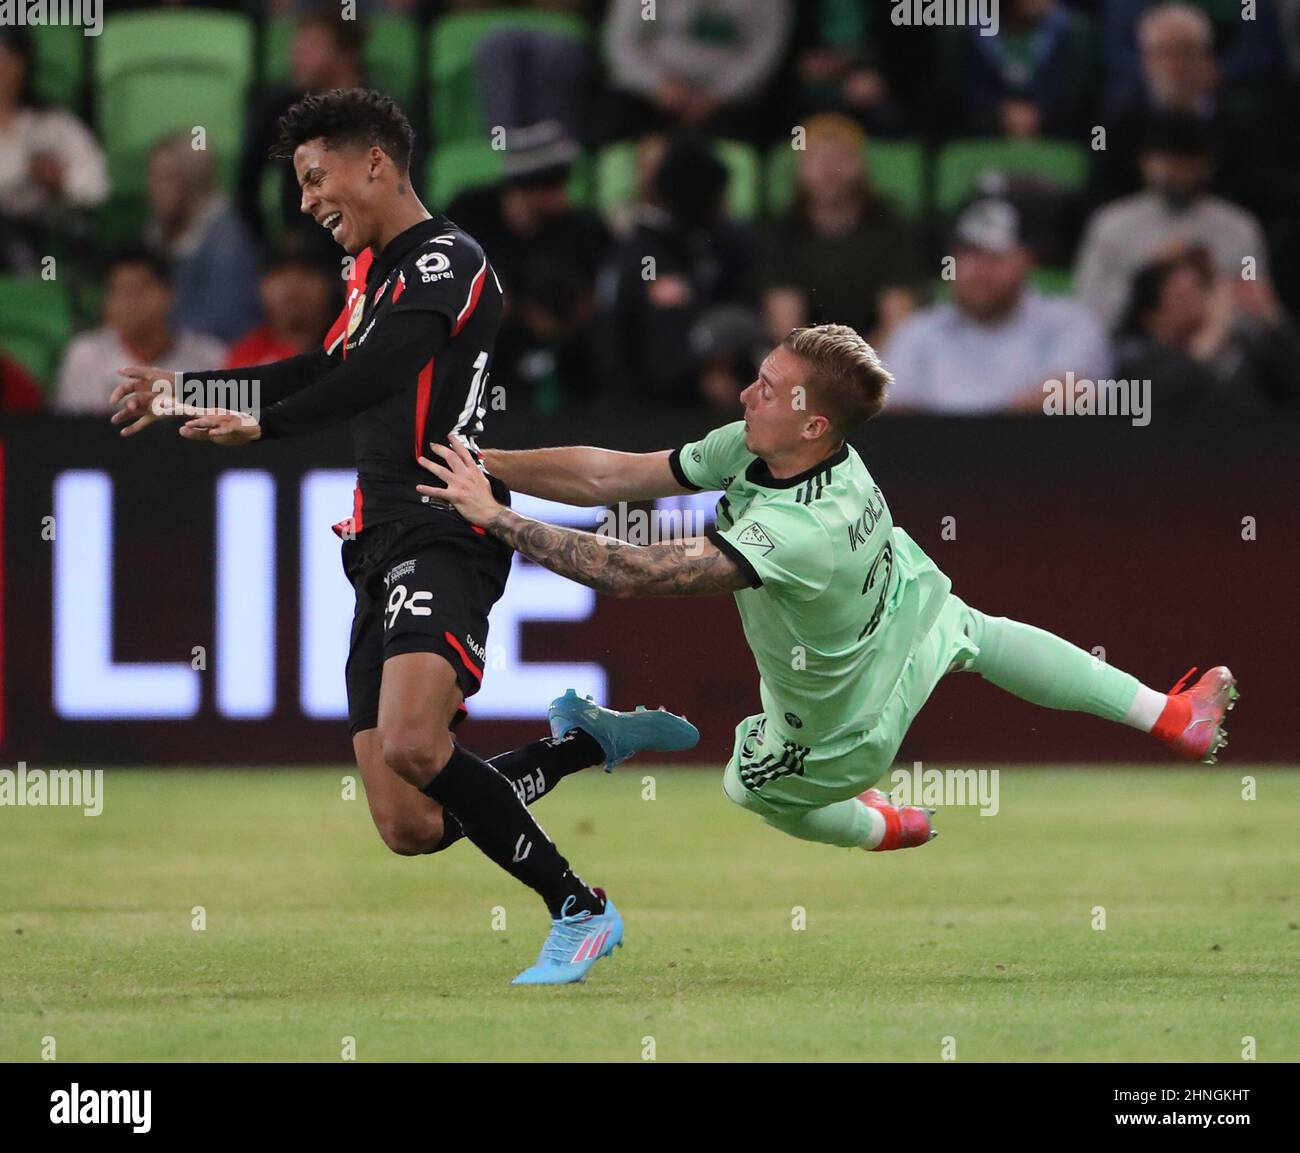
{"x":424,"y":584}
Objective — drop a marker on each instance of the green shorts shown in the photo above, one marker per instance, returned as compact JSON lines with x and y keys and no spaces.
{"x":770,"y":772}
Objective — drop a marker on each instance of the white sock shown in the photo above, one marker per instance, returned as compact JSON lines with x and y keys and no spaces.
{"x":1145,"y":709}
{"x":878,"y":827}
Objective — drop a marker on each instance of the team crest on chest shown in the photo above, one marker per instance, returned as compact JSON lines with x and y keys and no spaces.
{"x":358,"y":311}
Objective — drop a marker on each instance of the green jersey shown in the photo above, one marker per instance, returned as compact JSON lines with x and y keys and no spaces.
{"x":839,"y":597}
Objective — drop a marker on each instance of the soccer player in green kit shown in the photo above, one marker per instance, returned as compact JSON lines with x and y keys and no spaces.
{"x":850,"y":623}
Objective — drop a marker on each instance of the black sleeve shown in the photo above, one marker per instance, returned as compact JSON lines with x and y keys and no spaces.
{"x":373,"y":372}
{"x":275,"y":381}
{"x":679,"y":473}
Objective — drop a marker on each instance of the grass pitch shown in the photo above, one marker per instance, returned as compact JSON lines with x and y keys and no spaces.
{"x":315,"y":932}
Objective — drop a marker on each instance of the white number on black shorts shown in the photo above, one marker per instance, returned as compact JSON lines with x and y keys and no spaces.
{"x":414,"y":604}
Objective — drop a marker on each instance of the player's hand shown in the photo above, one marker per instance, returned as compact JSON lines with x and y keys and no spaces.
{"x":217,"y":426}
{"x":467,"y":488}
{"x":142,"y":397}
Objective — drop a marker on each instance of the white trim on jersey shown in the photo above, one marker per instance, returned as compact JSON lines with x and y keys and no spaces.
{"x":469,"y":299}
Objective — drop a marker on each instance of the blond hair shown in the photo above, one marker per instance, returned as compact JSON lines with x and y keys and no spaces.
{"x":844,"y":373}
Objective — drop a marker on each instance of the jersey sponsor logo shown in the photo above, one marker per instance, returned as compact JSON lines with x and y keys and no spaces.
{"x":793,"y":720}
{"x":398,"y":571}
{"x":364,"y":333}
{"x":754,"y":536}
{"x":434,"y":266}
{"x":477,"y":649}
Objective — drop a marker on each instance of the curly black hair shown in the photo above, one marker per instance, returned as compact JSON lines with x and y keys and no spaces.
{"x":342,"y":116}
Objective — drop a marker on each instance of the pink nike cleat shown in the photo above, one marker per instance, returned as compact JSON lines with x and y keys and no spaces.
{"x":1192,"y":721}
{"x":905,"y":826}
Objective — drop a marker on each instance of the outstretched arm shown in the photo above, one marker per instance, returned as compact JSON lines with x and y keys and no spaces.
{"x":584,"y":476}
{"x":693,"y":567}
{"x":143,"y":394}
{"x":371,"y":374}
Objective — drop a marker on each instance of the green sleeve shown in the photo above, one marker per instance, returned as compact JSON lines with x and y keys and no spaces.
{"x":784,"y":547}
{"x":710,"y":463}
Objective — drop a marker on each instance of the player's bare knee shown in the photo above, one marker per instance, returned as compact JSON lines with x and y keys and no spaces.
{"x":410,"y":838}
{"x":416,"y":754}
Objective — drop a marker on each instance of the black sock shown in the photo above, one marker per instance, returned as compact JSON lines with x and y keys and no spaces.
{"x":500,"y":825}
{"x":534,"y":770}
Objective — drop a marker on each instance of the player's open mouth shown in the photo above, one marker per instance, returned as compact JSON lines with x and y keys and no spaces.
{"x":332,"y":221}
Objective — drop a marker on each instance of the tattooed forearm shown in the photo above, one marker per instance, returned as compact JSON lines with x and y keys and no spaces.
{"x":672,"y":569}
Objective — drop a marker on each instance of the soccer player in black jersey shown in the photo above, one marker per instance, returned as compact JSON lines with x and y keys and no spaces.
{"x":407,"y":362}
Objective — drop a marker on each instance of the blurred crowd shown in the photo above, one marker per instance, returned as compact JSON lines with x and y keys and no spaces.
{"x":1106,"y":188}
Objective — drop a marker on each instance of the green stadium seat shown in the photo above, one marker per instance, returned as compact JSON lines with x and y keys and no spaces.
{"x":60,"y":63}
{"x":897,"y":168}
{"x":458,"y":165}
{"x":35,"y":324}
{"x":465,"y":164}
{"x":454,"y":110}
{"x":391,"y":55}
{"x":961,"y":164}
{"x":616,"y":178}
{"x":161,"y":72}
{"x":277,"y":52}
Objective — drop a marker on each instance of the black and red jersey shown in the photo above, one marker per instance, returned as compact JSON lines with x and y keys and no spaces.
{"x":407,"y":362}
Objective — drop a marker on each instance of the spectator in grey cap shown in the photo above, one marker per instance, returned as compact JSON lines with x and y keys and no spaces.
{"x":997,"y":341}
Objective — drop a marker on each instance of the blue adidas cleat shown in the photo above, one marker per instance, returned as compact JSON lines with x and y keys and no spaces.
{"x":574,"y":944}
{"x":622,"y":735}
